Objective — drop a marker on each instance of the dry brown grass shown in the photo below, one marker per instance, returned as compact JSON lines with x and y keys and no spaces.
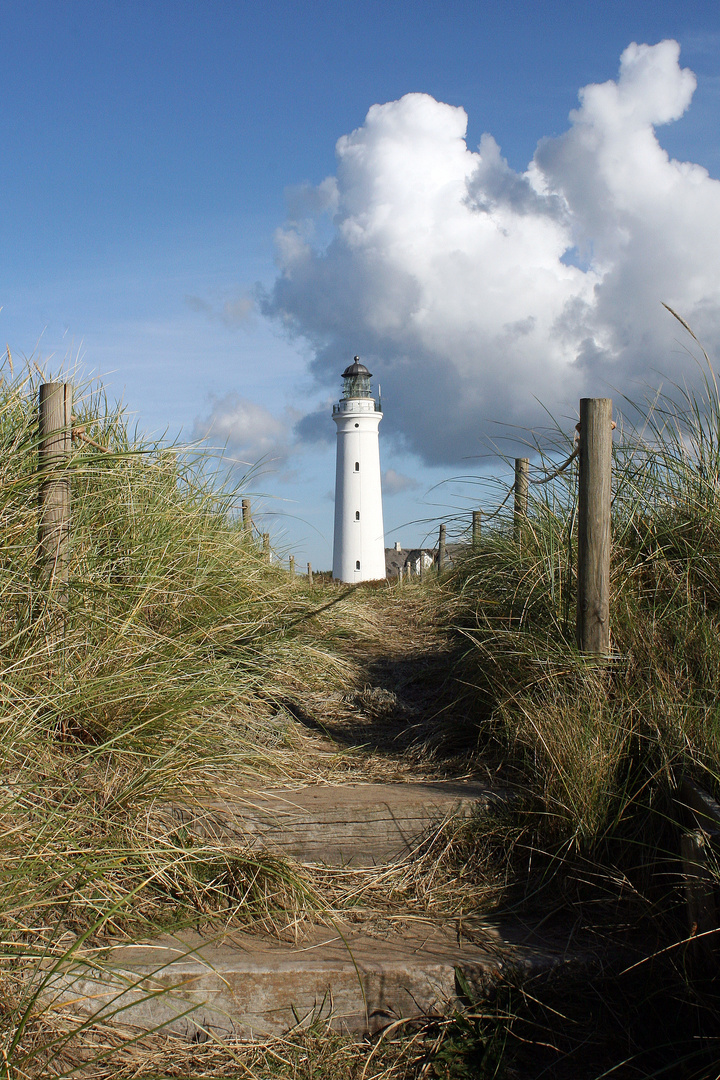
{"x":187,"y":662}
{"x":117,"y":1052}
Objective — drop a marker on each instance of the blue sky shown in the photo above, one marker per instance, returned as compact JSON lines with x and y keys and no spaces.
{"x":153,"y":150}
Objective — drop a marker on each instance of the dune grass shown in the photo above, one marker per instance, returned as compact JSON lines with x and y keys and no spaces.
{"x":596,"y":739}
{"x":162,"y":677}
{"x":169,"y":675}
{"x":598,"y":747}
{"x":182,"y":644}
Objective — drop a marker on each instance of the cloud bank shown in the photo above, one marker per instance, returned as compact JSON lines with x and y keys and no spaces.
{"x":473,"y":291}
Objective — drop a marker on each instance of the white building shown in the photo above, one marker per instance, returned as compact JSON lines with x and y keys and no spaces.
{"x":359,"y":548}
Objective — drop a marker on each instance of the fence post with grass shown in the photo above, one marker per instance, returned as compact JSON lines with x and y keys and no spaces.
{"x":442,"y":549}
{"x":310,"y":574}
{"x":522,"y":476}
{"x":247,"y":516}
{"x":699,"y":841}
{"x":292,"y":565}
{"x":594,"y":494}
{"x":54,"y":445}
{"x":476,"y":528}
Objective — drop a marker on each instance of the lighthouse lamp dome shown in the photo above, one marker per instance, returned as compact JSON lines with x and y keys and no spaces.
{"x":356,"y":380}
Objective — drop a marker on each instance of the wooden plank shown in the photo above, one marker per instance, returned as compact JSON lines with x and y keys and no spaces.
{"x":346,"y":976}
{"x":353,"y":825}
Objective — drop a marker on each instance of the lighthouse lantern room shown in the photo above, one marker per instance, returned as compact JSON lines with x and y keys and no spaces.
{"x":359,"y":548}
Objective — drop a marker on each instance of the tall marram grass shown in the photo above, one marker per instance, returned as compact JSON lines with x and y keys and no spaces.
{"x":603,"y":743}
{"x":597,"y":747}
{"x":160,"y":679}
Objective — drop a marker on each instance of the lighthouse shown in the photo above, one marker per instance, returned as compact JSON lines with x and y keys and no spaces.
{"x":359,"y":548}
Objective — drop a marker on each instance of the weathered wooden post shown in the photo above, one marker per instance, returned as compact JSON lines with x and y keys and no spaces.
{"x":292,"y":566}
{"x":247,"y":516}
{"x":594,"y":493}
{"x":266,"y":546}
{"x":476,"y":528}
{"x":310,"y":577}
{"x":522,"y":476}
{"x":700,"y":897}
{"x":698,"y":851}
{"x":442,"y":549}
{"x":55,"y":442}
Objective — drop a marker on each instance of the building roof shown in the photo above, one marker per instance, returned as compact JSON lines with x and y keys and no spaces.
{"x":394,"y":559}
{"x":356,"y":368}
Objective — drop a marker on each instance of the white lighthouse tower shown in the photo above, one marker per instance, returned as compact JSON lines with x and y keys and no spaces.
{"x":359,"y":549}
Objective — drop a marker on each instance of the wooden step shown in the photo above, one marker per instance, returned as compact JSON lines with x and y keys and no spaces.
{"x":348,"y":825}
{"x":355,"y":981}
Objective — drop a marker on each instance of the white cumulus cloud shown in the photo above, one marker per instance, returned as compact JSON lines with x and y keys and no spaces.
{"x":393,"y":482}
{"x":473,"y":291}
{"x":234,"y":310}
{"x":251,"y":432}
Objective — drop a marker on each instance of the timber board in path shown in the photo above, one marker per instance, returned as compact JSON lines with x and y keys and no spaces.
{"x":348,"y":825}
{"x":241,"y":986}
{"x":356,"y":976}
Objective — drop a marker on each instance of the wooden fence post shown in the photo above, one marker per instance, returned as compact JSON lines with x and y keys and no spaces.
{"x":310,"y":577}
{"x":594,"y":493}
{"x":700,"y":889}
{"x":292,"y":566}
{"x":522,"y":476}
{"x":700,"y":814}
{"x":476,"y":528}
{"x":442,"y":549}
{"x":247,"y":516}
{"x":266,"y":546}
{"x":55,"y":442}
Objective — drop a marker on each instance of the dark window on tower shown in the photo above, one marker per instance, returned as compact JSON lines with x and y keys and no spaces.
{"x":357,"y":564}
{"x":357,"y":515}
{"x":357,"y":466}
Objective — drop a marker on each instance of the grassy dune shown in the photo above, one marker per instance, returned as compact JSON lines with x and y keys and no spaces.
{"x":163,"y":676}
{"x":599,"y":740}
{"x":598,"y":747}
{"x":172,"y":671}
